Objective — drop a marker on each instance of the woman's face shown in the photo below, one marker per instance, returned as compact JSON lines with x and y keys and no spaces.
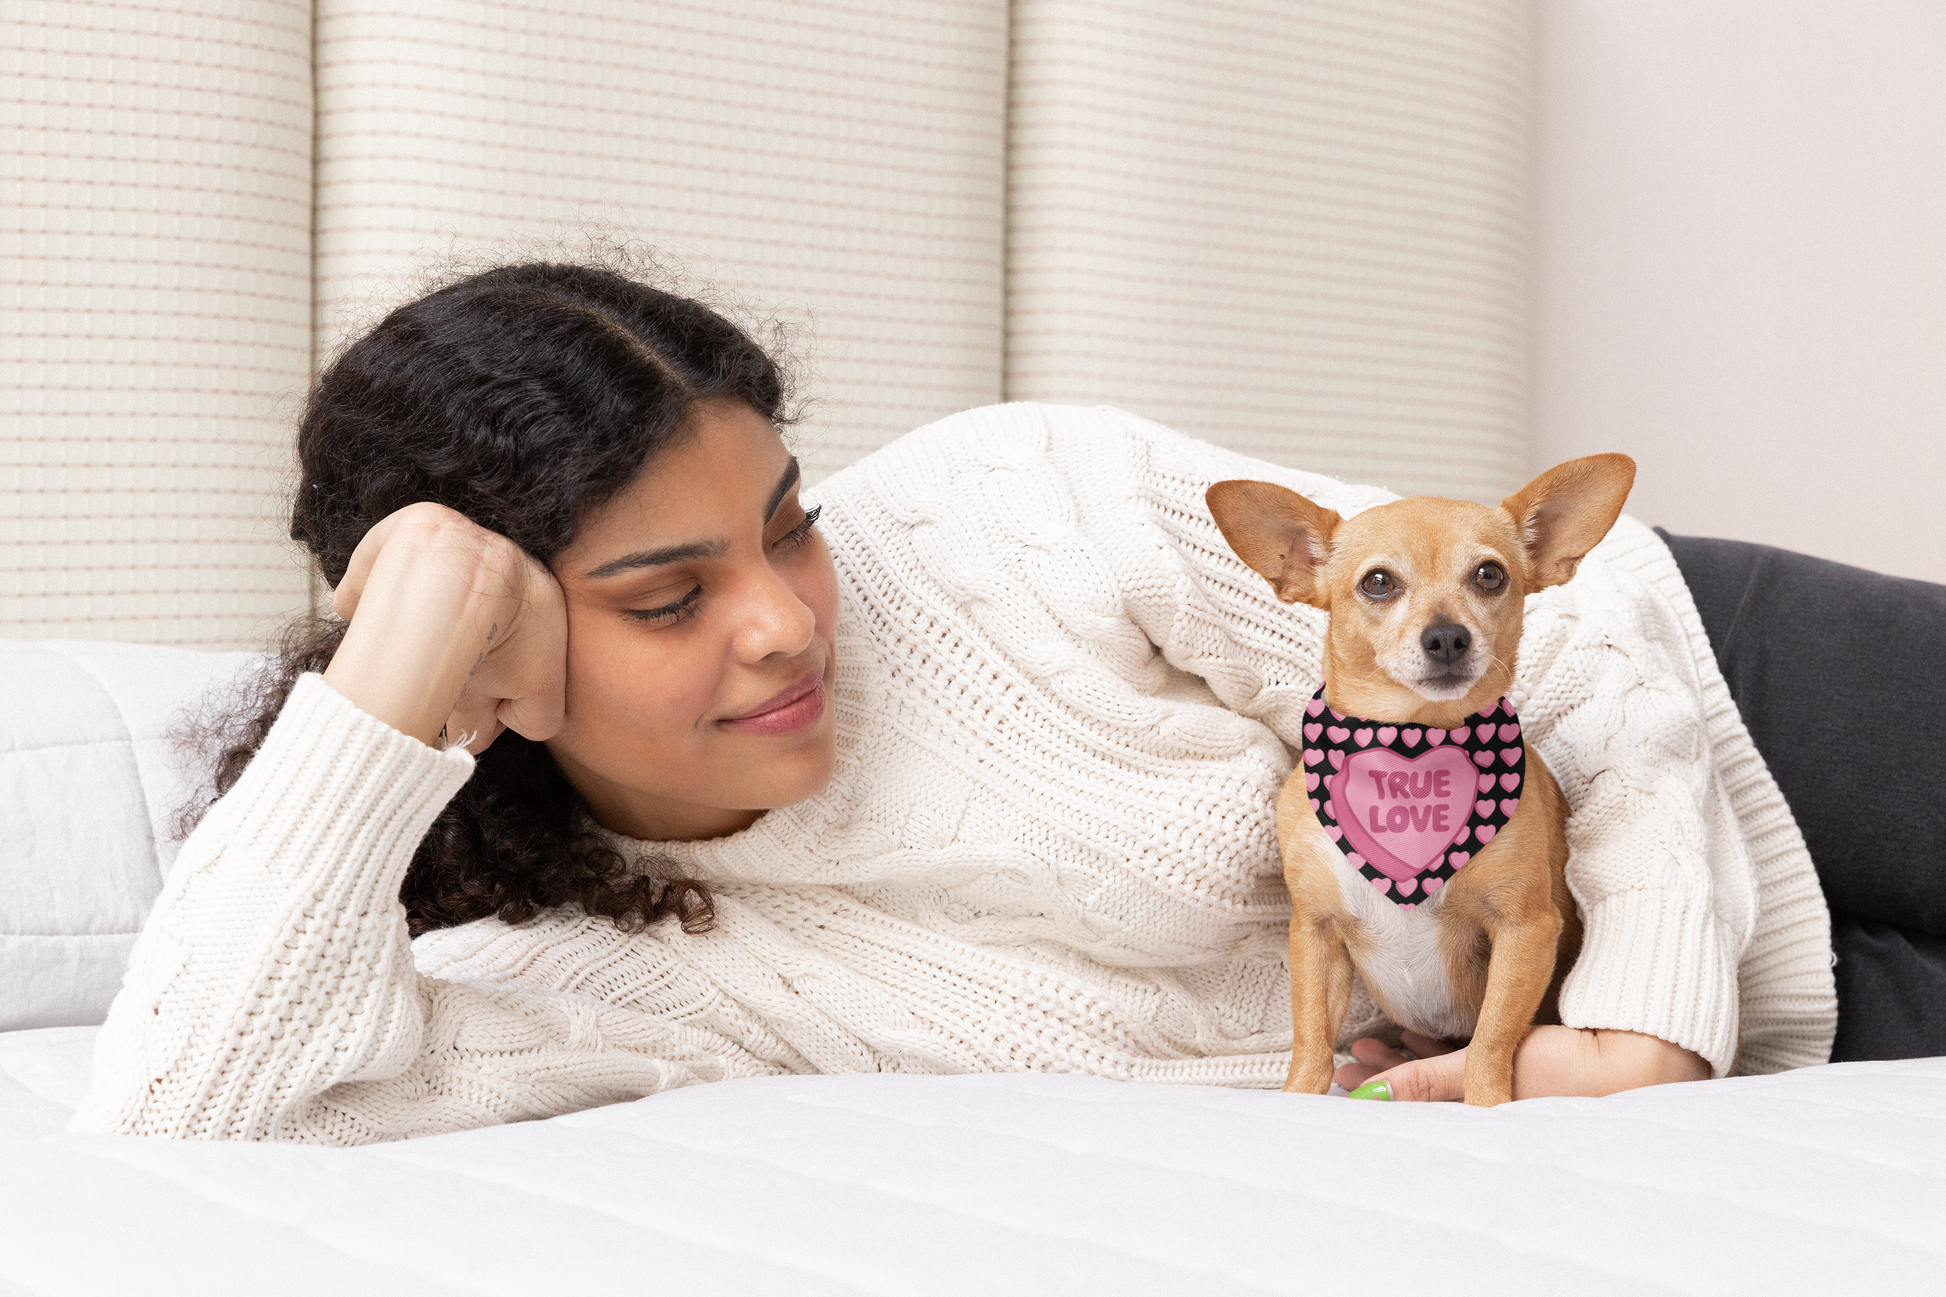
{"x":701,"y":603}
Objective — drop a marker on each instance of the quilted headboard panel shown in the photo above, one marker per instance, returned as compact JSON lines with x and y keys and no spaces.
{"x":838,"y":161}
{"x":88,"y":785}
{"x":155,"y":295}
{"x":1294,"y":229}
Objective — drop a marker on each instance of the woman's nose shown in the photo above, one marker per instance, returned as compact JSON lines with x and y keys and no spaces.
{"x":774,"y":620}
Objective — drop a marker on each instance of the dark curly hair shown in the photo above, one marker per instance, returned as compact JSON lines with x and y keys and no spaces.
{"x":523,"y":397}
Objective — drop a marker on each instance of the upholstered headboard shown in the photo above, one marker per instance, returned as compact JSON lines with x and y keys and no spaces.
{"x":1294,"y":228}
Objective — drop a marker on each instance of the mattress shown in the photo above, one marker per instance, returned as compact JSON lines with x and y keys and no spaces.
{"x":1830,"y":1179}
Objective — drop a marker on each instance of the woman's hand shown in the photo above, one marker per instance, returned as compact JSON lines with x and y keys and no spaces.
{"x":1550,"y":1061}
{"x":453,"y":627}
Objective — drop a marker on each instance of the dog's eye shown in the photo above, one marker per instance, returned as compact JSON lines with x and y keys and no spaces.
{"x":1379,"y":584}
{"x":1490,"y":577}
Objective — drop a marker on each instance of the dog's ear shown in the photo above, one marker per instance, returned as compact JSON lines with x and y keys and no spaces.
{"x":1564,"y":513}
{"x":1281,"y":535}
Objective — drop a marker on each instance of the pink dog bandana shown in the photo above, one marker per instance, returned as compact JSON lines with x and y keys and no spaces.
{"x":1408,"y":805}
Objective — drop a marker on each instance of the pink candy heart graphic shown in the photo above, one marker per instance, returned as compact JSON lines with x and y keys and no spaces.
{"x":1508,"y":805}
{"x":1362,"y":737}
{"x":1312,"y":731}
{"x":1312,"y":756}
{"x":1315,"y":706}
{"x":1433,"y":884}
{"x":1311,"y":778}
{"x":1337,"y":834}
{"x":1435,"y":737}
{"x":1484,"y":758}
{"x":1510,"y":755}
{"x":1383,"y":884}
{"x":1337,"y":759}
{"x":1338,"y":733}
{"x":1411,"y":737}
{"x":1386,"y":733}
{"x":1458,"y":859}
{"x":1508,"y":733}
{"x":1485,"y":833}
{"x":1509,"y":782}
{"x":1400,"y":812}
{"x":1407,"y":886}
{"x":1486,"y":783}
{"x":1314,"y":803}
{"x":1483,"y":732}
{"x":1484,"y":807}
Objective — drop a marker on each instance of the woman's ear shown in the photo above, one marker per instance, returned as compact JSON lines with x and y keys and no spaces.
{"x":1564,"y":513}
{"x":1282,"y":536}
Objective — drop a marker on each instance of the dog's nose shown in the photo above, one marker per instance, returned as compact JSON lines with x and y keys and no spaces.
{"x":1446,"y":643}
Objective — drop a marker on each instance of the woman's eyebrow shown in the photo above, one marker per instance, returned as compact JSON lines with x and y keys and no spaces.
{"x":658,"y":557}
{"x":697,"y":548}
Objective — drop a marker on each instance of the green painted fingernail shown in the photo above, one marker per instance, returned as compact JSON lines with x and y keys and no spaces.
{"x":1380,"y":1090}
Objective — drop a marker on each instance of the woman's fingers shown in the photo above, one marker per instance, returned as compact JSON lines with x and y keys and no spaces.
{"x":1376,"y":1053}
{"x":449,"y":622}
{"x":358,"y":572}
{"x":540,"y":709}
{"x":521,"y":680}
{"x":1373,"y":1057}
{"x":1437,"y":1075}
{"x":1427,"y":1046}
{"x":1440,"y":1079}
{"x":344,"y":599}
{"x":473,"y":724}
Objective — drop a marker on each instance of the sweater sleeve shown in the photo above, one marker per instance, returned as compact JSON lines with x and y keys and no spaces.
{"x":1607,"y":688}
{"x":1787,"y":1000}
{"x":1609,"y":694}
{"x":273,"y":994}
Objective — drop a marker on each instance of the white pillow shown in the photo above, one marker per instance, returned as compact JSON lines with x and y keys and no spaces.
{"x":88,"y":787}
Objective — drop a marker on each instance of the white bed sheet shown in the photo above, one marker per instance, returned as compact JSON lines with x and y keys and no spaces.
{"x":1827,"y":1180}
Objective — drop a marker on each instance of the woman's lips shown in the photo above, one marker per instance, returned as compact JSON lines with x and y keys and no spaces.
{"x":793,"y":709}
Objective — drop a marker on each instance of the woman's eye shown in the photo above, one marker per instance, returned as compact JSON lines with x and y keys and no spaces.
{"x":1379,"y":584}
{"x":802,"y":532}
{"x":669,"y":613}
{"x":1490,"y":577}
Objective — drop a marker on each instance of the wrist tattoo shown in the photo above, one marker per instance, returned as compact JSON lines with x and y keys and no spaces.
{"x":491,"y":632}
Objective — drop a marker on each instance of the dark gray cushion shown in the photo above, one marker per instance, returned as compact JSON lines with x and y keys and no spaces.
{"x":1840,"y":674}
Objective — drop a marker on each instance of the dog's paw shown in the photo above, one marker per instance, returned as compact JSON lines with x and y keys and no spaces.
{"x":1309,"y":1079}
{"x":1488,"y":1096}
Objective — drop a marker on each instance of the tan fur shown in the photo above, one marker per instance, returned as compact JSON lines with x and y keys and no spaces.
{"x":1508,"y":930}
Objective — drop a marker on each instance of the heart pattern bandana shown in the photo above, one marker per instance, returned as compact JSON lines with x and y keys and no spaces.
{"x":1409,"y":806}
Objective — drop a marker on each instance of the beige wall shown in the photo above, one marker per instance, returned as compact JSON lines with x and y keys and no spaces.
{"x":1739,"y":266}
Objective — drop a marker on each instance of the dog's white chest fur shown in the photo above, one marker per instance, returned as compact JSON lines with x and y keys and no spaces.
{"x":1403,"y":964}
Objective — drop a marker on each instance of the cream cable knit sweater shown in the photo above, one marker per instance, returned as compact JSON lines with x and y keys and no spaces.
{"x":1063,"y":711}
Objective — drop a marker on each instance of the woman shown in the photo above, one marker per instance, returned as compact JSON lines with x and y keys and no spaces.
{"x":972,"y":769}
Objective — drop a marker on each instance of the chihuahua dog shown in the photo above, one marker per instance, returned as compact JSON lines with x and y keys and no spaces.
{"x":1423,"y":838}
